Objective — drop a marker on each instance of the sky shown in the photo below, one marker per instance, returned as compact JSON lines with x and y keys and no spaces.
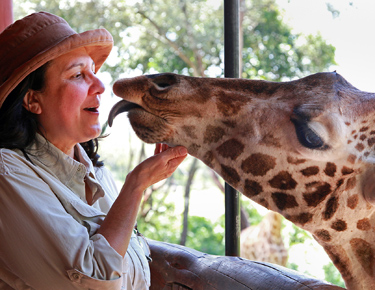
{"x":351,"y":33}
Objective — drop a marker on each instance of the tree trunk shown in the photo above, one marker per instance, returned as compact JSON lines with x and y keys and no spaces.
{"x":192,"y":171}
{"x":244,"y":216}
{"x":242,"y":13}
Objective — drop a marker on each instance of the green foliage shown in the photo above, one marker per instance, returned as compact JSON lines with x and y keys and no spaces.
{"x":254,"y":216}
{"x":292,"y":266}
{"x":271,"y":51}
{"x":332,"y":275}
{"x":298,"y":236}
{"x":186,"y":37}
{"x":206,"y":236}
{"x":161,"y":224}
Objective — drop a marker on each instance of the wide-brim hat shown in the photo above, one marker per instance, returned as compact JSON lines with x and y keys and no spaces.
{"x":29,"y":43}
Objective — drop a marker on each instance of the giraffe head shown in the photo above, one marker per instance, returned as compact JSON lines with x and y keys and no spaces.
{"x":303,"y":148}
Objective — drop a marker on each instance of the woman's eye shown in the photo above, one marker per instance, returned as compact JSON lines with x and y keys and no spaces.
{"x":306,"y":136}
{"x":77,"y":75}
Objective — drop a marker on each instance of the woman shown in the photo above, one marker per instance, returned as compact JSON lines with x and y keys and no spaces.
{"x":62,"y":223}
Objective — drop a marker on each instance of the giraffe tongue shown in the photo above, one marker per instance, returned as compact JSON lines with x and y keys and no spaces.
{"x":120,"y":107}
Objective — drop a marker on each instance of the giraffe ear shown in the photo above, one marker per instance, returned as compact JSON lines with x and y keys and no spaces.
{"x":368,"y":186}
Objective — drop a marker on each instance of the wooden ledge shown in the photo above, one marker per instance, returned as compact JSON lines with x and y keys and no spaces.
{"x":176,"y":267}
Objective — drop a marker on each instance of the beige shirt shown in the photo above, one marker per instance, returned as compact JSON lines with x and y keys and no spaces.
{"x":48,"y":236}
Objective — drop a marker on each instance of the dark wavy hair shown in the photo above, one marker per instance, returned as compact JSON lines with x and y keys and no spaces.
{"x":19,"y":126}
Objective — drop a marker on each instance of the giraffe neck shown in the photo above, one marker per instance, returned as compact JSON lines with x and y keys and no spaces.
{"x":320,"y":207}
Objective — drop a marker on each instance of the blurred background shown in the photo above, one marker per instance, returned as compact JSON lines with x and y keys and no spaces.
{"x":281,"y":40}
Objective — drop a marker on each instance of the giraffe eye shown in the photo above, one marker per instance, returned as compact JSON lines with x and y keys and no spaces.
{"x":306,"y":136}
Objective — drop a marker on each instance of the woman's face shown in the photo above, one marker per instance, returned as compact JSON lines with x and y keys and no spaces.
{"x":70,"y":101}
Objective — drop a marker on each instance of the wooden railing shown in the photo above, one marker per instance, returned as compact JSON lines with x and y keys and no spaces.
{"x":176,"y":267}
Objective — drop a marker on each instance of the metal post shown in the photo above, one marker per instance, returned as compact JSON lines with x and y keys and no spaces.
{"x":6,"y":13}
{"x":231,"y":70}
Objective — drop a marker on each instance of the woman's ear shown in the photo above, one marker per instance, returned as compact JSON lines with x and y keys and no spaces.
{"x":31,"y":102}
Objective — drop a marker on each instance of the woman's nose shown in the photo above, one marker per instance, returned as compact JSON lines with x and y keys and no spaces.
{"x":97,"y":86}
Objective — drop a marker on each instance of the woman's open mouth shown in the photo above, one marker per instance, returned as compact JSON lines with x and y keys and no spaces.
{"x":92,"y":109}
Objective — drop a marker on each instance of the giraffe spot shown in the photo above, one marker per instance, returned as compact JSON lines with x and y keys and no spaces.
{"x":362,"y":137}
{"x":355,"y":136}
{"x":229,"y":123}
{"x":323,"y":235}
{"x":310,"y":171}
{"x":229,"y":104}
{"x":252,"y":188}
{"x":270,"y":141}
{"x":372,"y":132}
{"x":295,"y":161}
{"x":360,"y":147}
{"x":371,"y":141}
{"x":350,"y":141}
{"x":300,"y":219}
{"x":352,"y":201}
{"x":352,"y":158}
{"x":230,"y":175}
{"x":354,"y":131}
{"x":347,"y":123}
{"x":364,"y":224}
{"x":346,"y":170}
{"x":339,"y":225}
{"x":264,"y":202}
{"x":208,"y":159}
{"x":231,"y":149}
{"x":365,"y":254}
{"x":339,"y":183}
{"x":258,"y":164}
{"x":316,"y":192}
{"x":351,"y":183}
{"x":331,"y":207}
{"x":283,"y":180}
{"x":213,"y":134}
{"x":330,"y":169}
{"x":204,"y":96}
{"x":340,"y":259}
{"x":193,"y":149}
{"x":190,"y":131}
{"x":366,"y":154}
{"x":283,"y":200}
{"x":363,"y":129}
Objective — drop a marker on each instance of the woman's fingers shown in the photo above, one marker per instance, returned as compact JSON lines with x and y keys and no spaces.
{"x":157,"y":148}
{"x":164,"y":147}
{"x":160,"y":147}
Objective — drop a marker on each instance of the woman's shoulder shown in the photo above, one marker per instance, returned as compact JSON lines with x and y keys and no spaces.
{"x":11,"y":161}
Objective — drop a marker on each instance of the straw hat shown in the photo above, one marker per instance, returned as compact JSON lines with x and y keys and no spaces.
{"x":29,"y":43}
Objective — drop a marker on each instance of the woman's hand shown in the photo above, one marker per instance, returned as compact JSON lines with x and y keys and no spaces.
{"x":119,"y":222}
{"x":157,"y":167}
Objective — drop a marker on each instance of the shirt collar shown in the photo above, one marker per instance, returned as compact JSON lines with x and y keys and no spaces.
{"x":70,"y":172}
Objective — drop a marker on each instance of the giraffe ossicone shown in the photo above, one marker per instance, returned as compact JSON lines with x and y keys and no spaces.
{"x":303,"y":148}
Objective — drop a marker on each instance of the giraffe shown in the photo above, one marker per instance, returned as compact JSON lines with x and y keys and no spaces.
{"x":303,"y":148}
{"x":263,"y":242}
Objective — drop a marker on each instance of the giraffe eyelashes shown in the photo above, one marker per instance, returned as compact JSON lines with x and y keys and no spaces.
{"x":308,"y":137}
